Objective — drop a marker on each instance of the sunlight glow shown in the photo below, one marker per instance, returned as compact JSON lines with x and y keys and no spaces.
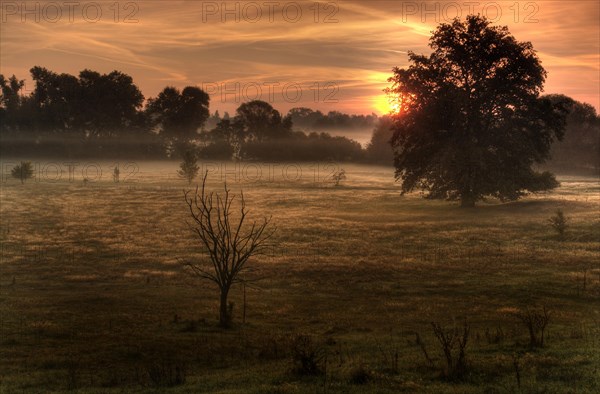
{"x":386,"y":105}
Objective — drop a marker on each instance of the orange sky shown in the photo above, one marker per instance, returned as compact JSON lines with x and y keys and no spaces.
{"x":284,"y":52}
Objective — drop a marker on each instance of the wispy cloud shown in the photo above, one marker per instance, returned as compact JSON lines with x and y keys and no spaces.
{"x":176,"y":43}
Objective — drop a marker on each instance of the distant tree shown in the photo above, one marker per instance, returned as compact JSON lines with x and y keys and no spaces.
{"x":379,"y":150}
{"x":22,"y":171}
{"x":178,"y":116}
{"x":260,"y":121}
{"x":229,"y":240}
{"x":301,"y":147}
{"x":471,"y":123}
{"x":305,"y":119}
{"x":580,"y":147}
{"x":225,"y":140}
{"x":189,"y":166}
{"x":212,"y":121}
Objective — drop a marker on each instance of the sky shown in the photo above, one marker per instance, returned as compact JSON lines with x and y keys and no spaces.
{"x":323,"y":55}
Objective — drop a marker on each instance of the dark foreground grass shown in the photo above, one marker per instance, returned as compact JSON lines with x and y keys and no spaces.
{"x":93,"y":297}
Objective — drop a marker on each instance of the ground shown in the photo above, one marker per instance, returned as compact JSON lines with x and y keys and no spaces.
{"x":93,"y":296}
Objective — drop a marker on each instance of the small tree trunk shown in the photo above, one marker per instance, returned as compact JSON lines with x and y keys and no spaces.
{"x":224,"y":318}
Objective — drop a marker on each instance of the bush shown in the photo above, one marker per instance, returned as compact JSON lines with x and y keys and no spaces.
{"x":308,"y":357}
{"x":189,"y":166}
{"x":536,"y":323}
{"x":559,"y":222}
{"x":453,"y":345}
{"x":339,"y":176}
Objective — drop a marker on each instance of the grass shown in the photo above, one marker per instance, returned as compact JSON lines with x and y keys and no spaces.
{"x":91,"y":282}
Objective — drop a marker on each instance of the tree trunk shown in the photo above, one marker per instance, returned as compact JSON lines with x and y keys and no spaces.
{"x":224,"y":318}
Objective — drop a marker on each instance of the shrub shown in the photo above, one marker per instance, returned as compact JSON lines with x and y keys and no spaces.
{"x":453,"y":345}
{"x":189,"y":166}
{"x":308,"y":357}
{"x":338,"y":176}
{"x":22,"y":171}
{"x":536,"y":323}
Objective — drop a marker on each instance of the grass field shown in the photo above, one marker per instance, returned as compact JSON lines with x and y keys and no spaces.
{"x":93,"y":296}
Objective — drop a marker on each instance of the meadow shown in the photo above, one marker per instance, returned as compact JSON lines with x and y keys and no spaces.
{"x":94,"y":297}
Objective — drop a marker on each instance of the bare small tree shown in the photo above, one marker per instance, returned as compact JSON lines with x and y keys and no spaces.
{"x":229,"y":240}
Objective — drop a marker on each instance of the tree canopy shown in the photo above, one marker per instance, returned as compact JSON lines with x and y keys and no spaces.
{"x":179,"y":114}
{"x":471,"y":123}
{"x":260,"y":121}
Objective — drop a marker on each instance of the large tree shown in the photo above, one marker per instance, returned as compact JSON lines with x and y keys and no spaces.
{"x":471,"y":123}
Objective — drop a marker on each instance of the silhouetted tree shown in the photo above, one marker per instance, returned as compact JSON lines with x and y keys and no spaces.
{"x":580,"y":147}
{"x":56,"y":99}
{"x":212,"y":121}
{"x":22,"y":171}
{"x":307,"y":120}
{"x":10,"y":102}
{"x":179,"y":115}
{"x":225,"y":140}
{"x":471,"y":123}
{"x":110,"y":103}
{"x":229,"y":240}
{"x":260,"y":121}
{"x":301,"y":147}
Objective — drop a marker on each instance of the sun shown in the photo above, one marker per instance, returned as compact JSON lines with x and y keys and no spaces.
{"x":386,"y":105}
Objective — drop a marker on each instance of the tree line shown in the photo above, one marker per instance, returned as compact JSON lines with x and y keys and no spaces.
{"x":106,"y":115}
